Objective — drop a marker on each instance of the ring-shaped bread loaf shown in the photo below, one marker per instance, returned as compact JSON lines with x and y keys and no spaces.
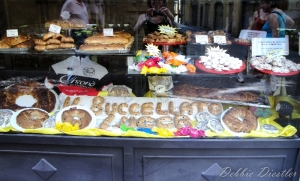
{"x":240,"y":120}
{"x":45,"y":99}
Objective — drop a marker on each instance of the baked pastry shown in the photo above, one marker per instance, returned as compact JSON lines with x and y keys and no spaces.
{"x":76,"y":116}
{"x":213,"y":93}
{"x":3,"y":44}
{"x":72,"y":24}
{"x":53,"y":41}
{"x":240,"y":120}
{"x":31,"y":118}
{"x":52,"y":47}
{"x":12,"y":41}
{"x":66,"y":45}
{"x":39,"y":41}
{"x":40,"y":47}
{"x":48,"y":36}
{"x":27,"y":44}
{"x":46,"y":99}
{"x":67,"y":40}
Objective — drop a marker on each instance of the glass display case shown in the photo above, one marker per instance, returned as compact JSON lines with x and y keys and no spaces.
{"x":133,"y":89}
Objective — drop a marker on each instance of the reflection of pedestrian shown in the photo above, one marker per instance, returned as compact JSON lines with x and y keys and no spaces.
{"x":258,"y":20}
{"x":95,"y":10}
{"x":277,"y":19}
{"x":77,"y":10}
{"x":157,"y":14}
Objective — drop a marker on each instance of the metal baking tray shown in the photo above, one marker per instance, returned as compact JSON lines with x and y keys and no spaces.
{"x":100,"y":52}
{"x":14,"y":50}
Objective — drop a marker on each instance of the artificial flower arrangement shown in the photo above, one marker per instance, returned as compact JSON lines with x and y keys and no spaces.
{"x":154,"y":62}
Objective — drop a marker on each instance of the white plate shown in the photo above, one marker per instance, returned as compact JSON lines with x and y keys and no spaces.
{"x":232,"y":132}
{"x":13,"y":119}
{"x":92,"y":123}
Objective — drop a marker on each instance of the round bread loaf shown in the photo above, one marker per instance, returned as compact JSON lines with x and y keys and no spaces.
{"x":31,"y":118}
{"x":46,"y":99}
{"x":79,"y":116}
{"x":240,"y":120}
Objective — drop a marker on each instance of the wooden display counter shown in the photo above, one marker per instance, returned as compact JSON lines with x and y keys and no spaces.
{"x":53,"y":158}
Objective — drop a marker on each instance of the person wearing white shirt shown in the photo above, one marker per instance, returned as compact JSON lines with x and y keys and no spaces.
{"x":77,"y":10}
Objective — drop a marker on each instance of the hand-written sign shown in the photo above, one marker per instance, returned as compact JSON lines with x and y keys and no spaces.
{"x":12,"y":33}
{"x":202,"y":39}
{"x":54,"y":28}
{"x":166,"y":29}
{"x":152,"y":50}
{"x":220,"y":39}
{"x":108,"y":32}
{"x":275,"y":53}
{"x":215,"y":51}
{"x":263,"y":46}
{"x":249,"y":34}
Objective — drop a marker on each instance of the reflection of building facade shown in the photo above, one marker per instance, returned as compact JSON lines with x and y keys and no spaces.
{"x":228,"y":15}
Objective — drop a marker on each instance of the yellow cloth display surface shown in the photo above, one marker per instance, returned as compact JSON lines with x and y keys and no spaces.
{"x":286,"y":131}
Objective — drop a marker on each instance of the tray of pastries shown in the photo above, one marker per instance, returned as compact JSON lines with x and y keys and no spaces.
{"x":120,"y":42}
{"x":16,"y":44}
{"x":53,"y":41}
{"x":158,"y":38}
{"x":70,"y":24}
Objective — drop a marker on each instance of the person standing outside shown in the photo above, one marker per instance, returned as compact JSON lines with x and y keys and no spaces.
{"x":157,"y":14}
{"x":277,"y":19}
{"x":95,"y":10}
{"x":258,"y":20}
{"x":77,"y":10}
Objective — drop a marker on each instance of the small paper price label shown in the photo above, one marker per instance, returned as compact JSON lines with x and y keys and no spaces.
{"x":54,"y":28}
{"x":108,"y":32}
{"x":220,"y":39}
{"x":12,"y":33}
{"x":202,"y":39}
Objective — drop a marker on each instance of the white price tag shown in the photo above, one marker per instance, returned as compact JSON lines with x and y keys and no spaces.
{"x":108,"y":32}
{"x":54,"y":28}
{"x":249,"y":34}
{"x":12,"y":33}
{"x":220,"y":39}
{"x":202,"y":39}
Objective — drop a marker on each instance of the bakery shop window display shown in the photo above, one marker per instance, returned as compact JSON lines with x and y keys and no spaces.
{"x":153,"y":62}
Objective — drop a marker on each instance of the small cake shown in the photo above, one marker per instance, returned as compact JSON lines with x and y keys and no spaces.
{"x":240,"y":120}
{"x":79,"y":116}
{"x":31,"y":118}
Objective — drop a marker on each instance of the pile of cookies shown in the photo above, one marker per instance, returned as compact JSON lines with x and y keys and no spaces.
{"x":53,"y":41}
{"x":164,"y":38}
